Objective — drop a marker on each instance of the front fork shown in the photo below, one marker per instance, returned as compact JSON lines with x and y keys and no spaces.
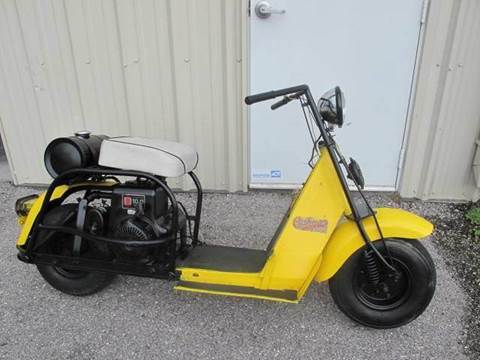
{"x":357,"y":217}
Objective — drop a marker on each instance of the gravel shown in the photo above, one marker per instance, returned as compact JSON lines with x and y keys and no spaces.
{"x":138,"y":318}
{"x":456,"y":243}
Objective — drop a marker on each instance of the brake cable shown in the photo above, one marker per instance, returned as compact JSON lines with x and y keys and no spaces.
{"x":362,"y":230}
{"x":298,"y":96}
{"x":374,"y":215}
{"x":375,"y":219}
{"x":310,"y":130}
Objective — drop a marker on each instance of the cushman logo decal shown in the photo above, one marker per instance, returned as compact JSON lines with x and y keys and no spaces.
{"x":310,"y":224}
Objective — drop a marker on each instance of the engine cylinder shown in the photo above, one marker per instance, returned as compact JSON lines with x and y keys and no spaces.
{"x":66,"y":153}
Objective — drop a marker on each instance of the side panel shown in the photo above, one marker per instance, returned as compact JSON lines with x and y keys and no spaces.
{"x":395,"y":223}
{"x":220,"y":277}
{"x":313,"y":216}
{"x":297,"y":252}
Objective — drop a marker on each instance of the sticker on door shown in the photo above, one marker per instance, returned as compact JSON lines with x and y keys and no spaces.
{"x":266,"y":174}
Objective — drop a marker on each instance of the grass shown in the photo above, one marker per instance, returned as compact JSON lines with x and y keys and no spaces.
{"x":473,"y":215}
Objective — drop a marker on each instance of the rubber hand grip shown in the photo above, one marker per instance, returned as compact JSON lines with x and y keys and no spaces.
{"x":252,"y":99}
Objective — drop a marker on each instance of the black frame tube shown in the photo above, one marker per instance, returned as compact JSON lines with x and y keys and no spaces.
{"x":100,"y":265}
{"x":64,"y":178}
{"x":86,"y":264}
{"x":252,"y":99}
{"x":88,"y":236}
{"x":329,"y":144}
{"x":198,"y":207}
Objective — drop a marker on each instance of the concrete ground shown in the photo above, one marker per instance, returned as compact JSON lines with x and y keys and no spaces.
{"x":137,"y":318}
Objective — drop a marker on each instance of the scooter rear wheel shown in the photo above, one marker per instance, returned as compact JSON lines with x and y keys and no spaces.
{"x":386,"y":300}
{"x":74,"y":282}
{"x":69,"y":281}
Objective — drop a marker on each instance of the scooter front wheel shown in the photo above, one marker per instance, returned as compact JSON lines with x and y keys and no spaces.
{"x":370,"y":294}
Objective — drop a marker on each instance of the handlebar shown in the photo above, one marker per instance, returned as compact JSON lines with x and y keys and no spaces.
{"x":252,"y":99}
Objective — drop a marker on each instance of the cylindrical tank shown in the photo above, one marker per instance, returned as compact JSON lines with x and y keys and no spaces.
{"x":66,"y":153}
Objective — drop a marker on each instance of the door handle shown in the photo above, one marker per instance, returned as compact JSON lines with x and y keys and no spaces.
{"x":264,"y":10}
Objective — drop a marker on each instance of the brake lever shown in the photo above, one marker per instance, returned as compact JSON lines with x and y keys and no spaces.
{"x":285,"y":100}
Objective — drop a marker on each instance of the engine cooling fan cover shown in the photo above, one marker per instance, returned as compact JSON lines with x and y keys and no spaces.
{"x":136,"y":230}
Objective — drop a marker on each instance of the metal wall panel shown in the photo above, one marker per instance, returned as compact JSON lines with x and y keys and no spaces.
{"x":169,"y":69}
{"x":177,"y":69}
{"x":445,"y":119}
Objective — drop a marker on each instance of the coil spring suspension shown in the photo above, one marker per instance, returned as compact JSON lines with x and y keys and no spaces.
{"x":371,"y":267}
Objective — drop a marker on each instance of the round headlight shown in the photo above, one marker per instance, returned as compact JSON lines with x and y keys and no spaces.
{"x":331,"y":106}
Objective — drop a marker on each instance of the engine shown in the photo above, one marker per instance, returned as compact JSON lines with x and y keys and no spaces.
{"x":137,"y":211}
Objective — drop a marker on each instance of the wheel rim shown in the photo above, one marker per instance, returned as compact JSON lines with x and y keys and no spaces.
{"x":391,"y":291}
{"x":70,"y":273}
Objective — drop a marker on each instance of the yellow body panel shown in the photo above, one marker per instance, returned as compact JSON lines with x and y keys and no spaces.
{"x":221,"y":277}
{"x":32,"y":214}
{"x":301,"y":254}
{"x":296,"y":256}
{"x":313,"y":243}
{"x":226,"y":293}
{"x":28,"y":221}
{"x":395,"y":223}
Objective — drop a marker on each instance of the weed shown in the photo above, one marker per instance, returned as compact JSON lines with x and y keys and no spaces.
{"x":473,"y":215}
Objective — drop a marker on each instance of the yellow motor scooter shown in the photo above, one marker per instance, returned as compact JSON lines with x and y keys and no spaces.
{"x":127,"y":220}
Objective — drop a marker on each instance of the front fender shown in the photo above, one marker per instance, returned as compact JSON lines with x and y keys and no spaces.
{"x":346,"y":239}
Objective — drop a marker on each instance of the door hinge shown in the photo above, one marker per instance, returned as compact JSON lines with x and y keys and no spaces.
{"x":249,"y":7}
{"x":423,"y":19}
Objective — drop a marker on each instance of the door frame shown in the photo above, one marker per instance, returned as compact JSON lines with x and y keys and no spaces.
{"x":246,"y":114}
{"x":245,"y":91}
{"x":413,"y":92}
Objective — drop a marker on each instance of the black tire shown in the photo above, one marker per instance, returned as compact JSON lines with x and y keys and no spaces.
{"x":72,"y":282}
{"x":393,"y":301}
{"x":75,"y":282}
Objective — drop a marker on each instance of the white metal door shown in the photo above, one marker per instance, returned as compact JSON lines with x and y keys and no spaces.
{"x":367,"y":47}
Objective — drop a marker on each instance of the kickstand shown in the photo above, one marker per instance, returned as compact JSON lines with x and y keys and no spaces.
{"x":77,"y":240}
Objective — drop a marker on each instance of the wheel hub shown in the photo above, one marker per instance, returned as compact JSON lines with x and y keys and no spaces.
{"x":392,"y":289}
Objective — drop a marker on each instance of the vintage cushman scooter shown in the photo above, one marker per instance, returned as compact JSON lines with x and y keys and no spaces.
{"x":125,"y":219}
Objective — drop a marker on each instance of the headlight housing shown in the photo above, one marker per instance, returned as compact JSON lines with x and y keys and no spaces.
{"x":331,"y":106}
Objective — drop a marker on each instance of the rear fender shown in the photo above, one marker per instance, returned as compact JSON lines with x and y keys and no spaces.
{"x":28,"y":221}
{"x":346,"y":239}
{"x":33,"y":213}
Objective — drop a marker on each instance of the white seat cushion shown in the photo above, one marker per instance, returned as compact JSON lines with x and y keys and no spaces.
{"x":160,"y":157}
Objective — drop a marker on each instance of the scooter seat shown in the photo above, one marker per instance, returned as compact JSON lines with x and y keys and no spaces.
{"x":159,"y":157}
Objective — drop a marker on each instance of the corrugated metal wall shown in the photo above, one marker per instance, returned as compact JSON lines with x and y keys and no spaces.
{"x":177,"y":70}
{"x":445,"y":120}
{"x":169,"y":69}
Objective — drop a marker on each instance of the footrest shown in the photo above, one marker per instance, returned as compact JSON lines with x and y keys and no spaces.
{"x":225,"y":258}
{"x":243,"y":291}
